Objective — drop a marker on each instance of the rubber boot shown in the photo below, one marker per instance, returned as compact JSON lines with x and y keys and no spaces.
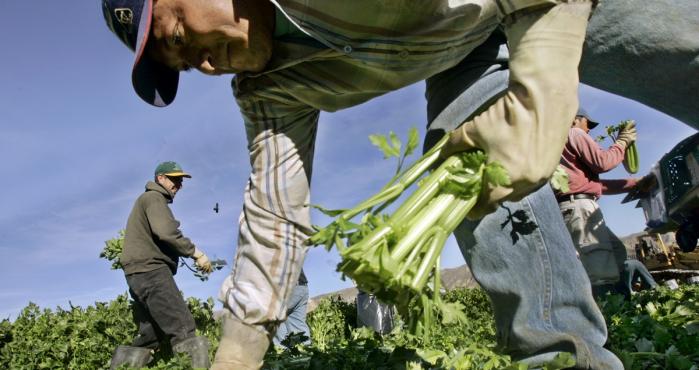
{"x":197,"y":348}
{"x":242,"y":346}
{"x":136,"y":357}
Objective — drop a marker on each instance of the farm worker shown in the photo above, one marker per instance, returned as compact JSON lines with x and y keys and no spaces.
{"x":153,"y":244}
{"x":294,"y":59}
{"x":635,"y":271}
{"x":600,"y":250}
{"x":296,"y":309}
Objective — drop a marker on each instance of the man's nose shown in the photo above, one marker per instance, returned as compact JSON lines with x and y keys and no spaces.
{"x":204,"y":63}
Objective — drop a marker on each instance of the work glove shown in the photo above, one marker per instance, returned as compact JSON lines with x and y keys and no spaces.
{"x":525,"y":130}
{"x":202,"y":261}
{"x":627,"y":135}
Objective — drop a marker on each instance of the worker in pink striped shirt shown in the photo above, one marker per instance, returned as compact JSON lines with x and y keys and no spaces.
{"x":601,"y":252}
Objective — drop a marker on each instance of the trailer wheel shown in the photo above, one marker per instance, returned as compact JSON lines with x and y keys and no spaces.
{"x":687,"y":236}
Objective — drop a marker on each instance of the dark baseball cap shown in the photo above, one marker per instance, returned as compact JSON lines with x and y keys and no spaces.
{"x":130,"y":21}
{"x":171,"y":168}
{"x":590,"y":123}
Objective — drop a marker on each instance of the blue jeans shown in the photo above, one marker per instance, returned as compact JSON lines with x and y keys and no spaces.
{"x":540,"y":294}
{"x":635,"y":270}
{"x":526,"y":263}
{"x":625,"y":53}
{"x":296,"y":311}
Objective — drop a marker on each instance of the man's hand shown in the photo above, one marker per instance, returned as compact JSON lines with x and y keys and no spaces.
{"x":627,"y":135}
{"x":647,"y":183}
{"x":525,"y":130}
{"x":202,"y":261}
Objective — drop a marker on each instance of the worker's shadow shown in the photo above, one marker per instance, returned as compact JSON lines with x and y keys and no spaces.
{"x":521,"y":224}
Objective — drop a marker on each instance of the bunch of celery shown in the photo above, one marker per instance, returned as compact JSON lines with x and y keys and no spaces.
{"x":631,"y":158}
{"x":396,"y":256}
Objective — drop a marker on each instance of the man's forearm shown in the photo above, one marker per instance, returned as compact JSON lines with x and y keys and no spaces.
{"x":617,"y":186}
{"x":525,"y":130}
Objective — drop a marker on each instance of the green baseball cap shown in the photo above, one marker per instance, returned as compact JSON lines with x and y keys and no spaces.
{"x":170,"y":168}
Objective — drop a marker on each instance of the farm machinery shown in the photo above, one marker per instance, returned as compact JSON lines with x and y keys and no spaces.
{"x":669,"y":196}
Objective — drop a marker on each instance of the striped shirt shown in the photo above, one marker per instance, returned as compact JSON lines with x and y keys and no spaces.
{"x":366,"y":48}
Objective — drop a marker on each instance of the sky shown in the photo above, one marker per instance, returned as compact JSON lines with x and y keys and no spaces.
{"x":77,"y":147}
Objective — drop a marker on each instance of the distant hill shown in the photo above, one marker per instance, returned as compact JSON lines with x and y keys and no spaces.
{"x":461,"y":276}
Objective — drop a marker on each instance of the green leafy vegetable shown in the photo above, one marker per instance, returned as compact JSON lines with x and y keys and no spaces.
{"x":559,"y":180}
{"x":113,"y":248}
{"x":631,"y":158}
{"x":84,"y":338}
{"x":396,"y":256}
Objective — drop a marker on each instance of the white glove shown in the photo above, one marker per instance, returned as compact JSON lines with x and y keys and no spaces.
{"x":525,"y":129}
{"x":627,"y":135}
{"x":202,"y":261}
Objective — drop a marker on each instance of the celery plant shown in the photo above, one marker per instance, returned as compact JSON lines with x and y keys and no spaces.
{"x":396,"y":256}
{"x":631,"y":158}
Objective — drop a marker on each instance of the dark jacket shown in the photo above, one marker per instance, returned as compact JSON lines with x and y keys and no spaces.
{"x":152,"y":238}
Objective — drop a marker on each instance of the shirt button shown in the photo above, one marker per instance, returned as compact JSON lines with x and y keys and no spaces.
{"x":347,"y":49}
{"x":403,"y":54}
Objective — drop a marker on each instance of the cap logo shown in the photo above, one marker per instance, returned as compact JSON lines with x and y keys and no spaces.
{"x":124,"y":16}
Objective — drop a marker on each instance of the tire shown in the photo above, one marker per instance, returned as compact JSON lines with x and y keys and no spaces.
{"x":686,"y":237}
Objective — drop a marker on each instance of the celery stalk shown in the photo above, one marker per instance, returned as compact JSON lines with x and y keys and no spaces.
{"x":396,"y":256}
